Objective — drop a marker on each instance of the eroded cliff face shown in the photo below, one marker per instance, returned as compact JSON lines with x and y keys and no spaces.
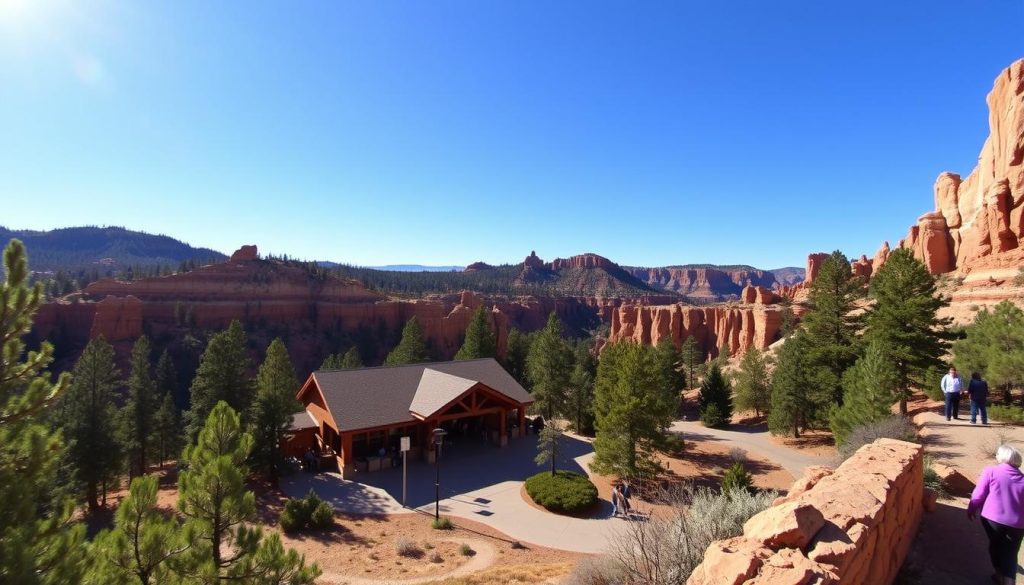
{"x":710,"y":283}
{"x":978,"y":222}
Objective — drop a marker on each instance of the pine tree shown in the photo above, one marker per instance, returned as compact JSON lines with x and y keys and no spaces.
{"x":548,"y":366}
{"x":580,"y":399}
{"x":38,"y":543}
{"x":724,"y":353}
{"x":715,"y":399}
{"x":139,"y":412}
{"x":332,"y":362}
{"x":994,"y":344}
{"x":167,"y":433}
{"x":799,"y":398}
{"x":831,"y":324}
{"x":273,"y":408}
{"x":87,"y":413}
{"x":753,"y":384}
{"x":222,"y":375}
{"x":669,"y":365}
{"x":692,"y":359}
{"x":904,"y":319}
{"x":219,"y":512}
{"x":480,"y":340}
{"x":412,"y":349}
{"x":516,"y":352}
{"x":351,"y":360}
{"x":789,"y":320}
{"x":143,"y":543}
{"x":869,"y":392}
{"x":632,"y":411}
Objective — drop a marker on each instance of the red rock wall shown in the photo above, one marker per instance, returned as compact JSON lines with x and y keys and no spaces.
{"x":854,"y":525}
{"x":703,"y":282}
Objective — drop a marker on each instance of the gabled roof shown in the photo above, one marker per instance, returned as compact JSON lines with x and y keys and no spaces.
{"x":302,"y":420}
{"x":376,"y":397}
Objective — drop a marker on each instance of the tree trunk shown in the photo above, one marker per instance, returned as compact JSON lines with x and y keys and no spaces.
{"x":91,"y":496}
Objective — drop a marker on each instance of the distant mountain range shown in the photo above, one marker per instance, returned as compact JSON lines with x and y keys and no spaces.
{"x":111,"y":251}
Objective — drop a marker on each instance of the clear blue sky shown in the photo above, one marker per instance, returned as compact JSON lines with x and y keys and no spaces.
{"x":445,"y":132}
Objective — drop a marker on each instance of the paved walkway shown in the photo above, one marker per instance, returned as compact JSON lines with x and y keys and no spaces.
{"x":478,"y":484}
{"x":754,"y":441}
{"x":950,"y":549}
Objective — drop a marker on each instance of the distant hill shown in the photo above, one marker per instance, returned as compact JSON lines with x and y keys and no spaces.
{"x":107,"y":250}
{"x":789,"y":275}
{"x":417,"y":268}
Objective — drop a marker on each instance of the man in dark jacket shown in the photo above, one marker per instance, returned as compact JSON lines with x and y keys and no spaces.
{"x":978,"y":389}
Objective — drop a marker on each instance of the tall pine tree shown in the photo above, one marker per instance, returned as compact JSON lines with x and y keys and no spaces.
{"x":799,"y":398}
{"x":905,"y":321}
{"x":38,"y":544}
{"x":869,"y":392}
{"x":753,"y":384}
{"x":351,"y":360}
{"x":580,"y":399}
{"x":692,"y":359}
{"x":715,"y":398}
{"x":167,"y":435}
{"x":994,"y":344}
{"x":223,"y":374}
{"x":548,"y":366}
{"x":139,"y":412}
{"x":88,"y":415}
{"x":516,"y":351}
{"x":480,"y":340}
{"x":412,"y":349}
{"x":670,"y":366}
{"x":272,"y":410}
{"x":831,"y":325}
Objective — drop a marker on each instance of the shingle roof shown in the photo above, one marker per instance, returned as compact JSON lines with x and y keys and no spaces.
{"x":302,"y":420}
{"x":375,"y":397}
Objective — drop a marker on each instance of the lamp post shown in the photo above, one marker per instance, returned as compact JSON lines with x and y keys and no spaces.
{"x":439,"y":434}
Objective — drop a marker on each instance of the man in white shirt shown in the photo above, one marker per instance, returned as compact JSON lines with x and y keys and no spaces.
{"x":952,"y":386}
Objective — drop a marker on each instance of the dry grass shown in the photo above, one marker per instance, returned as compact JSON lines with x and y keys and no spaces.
{"x":512,"y":574}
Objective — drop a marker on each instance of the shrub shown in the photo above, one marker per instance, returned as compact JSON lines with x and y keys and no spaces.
{"x":406,"y":547}
{"x":667,"y":548}
{"x":466,"y":550}
{"x":564,"y":492}
{"x":1007,"y":414}
{"x":737,"y":478}
{"x":428,"y":546}
{"x":890,"y":427}
{"x":435,"y":557}
{"x":932,"y":479}
{"x":737,"y":455}
{"x":310,"y":512}
{"x":711,"y":416}
{"x":517,"y":545}
{"x":442,"y":523}
{"x":596,"y":571}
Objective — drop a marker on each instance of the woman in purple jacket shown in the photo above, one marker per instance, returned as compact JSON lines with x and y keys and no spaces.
{"x":999,"y":496}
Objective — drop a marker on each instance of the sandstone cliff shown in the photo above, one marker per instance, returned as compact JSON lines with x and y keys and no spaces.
{"x":704,"y":282}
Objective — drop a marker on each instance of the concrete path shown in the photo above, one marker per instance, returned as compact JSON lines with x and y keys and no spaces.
{"x":478,"y":482}
{"x":950,"y":549}
{"x":754,"y":441}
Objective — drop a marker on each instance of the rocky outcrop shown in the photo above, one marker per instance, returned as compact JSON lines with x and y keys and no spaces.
{"x":741,"y":326}
{"x":587,"y":260}
{"x":703,"y":282}
{"x":982,"y":215}
{"x":852,"y":526}
{"x":532,"y":261}
{"x":245,"y":254}
{"x":477,"y":266}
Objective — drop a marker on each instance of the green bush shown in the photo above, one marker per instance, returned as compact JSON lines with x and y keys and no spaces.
{"x":736,"y":478}
{"x":466,"y":550}
{"x":891,"y":427}
{"x":932,"y":479}
{"x":1006,"y":414}
{"x":711,"y":416}
{"x":310,"y":512}
{"x":564,"y":492}
{"x":442,"y":523}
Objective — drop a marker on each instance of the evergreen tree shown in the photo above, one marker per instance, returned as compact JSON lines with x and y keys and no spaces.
{"x":219,"y":512}
{"x":222,"y":375}
{"x":693,"y":360}
{"x":580,"y":403}
{"x":994,"y":344}
{"x":753,"y":384}
{"x":547,"y":445}
{"x":273,"y":408}
{"x":351,"y":360}
{"x":789,"y":320}
{"x":87,"y":413}
{"x":869,"y":392}
{"x":831,"y":324}
{"x":143,"y":543}
{"x":38,"y":544}
{"x":632,"y":411}
{"x":140,"y":410}
{"x":799,"y":398}
{"x":167,"y":420}
{"x":332,"y":362}
{"x":669,"y":365}
{"x":480,"y":340}
{"x":412,"y":349}
{"x":905,"y":321}
{"x":724,"y":352}
{"x":516,"y":352}
{"x":715,"y":399}
{"x":549,"y":365}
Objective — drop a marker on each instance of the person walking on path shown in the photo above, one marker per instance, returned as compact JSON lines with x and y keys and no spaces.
{"x":978,"y":390}
{"x":615,"y":501}
{"x":952,"y":386}
{"x":625,"y":498}
{"x":999,"y":495}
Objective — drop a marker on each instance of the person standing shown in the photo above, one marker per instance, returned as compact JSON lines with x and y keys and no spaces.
{"x":615,"y":501}
{"x":999,"y":496}
{"x":978,"y":390}
{"x":952,"y":386}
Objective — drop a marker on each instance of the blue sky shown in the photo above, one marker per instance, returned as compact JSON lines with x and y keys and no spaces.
{"x":445,"y":132}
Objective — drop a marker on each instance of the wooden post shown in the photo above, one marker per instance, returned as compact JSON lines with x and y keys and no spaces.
{"x":348,"y":461}
{"x":502,"y":431}
{"x":522,"y":422}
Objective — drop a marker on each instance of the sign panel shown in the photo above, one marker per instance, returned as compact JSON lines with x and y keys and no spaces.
{"x":405,"y":444}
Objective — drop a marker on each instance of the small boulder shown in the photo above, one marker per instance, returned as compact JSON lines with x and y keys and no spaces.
{"x":788,"y":525}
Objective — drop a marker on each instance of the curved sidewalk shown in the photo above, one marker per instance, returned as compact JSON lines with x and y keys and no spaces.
{"x":756,"y":442}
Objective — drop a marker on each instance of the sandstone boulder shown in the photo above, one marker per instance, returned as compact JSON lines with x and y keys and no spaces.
{"x":957,"y":483}
{"x":245,"y":254}
{"x":791,"y":524}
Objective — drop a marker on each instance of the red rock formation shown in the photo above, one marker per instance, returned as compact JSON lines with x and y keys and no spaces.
{"x":814,"y":262}
{"x":861,"y":267}
{"x":703,"y":282}
{"x":982,"y":215}
{"x":880,"y":257}
{"x":587,"y":260}
{"x":758,"y":295}
{"x":477,"y":266}
{"x":245,"y":254}
{"x":532,"y":261}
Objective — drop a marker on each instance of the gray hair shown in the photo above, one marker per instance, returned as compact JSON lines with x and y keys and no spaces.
{"x":1008,"y":454}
